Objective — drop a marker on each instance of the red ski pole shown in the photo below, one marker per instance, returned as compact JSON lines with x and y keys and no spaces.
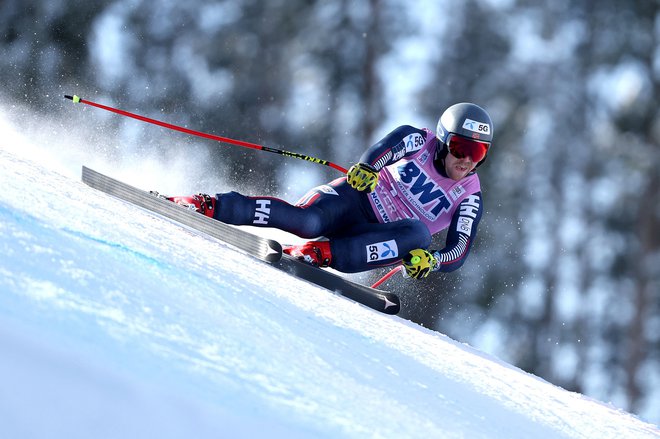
{"x":296,"y":155}
{"x":388,"y":275}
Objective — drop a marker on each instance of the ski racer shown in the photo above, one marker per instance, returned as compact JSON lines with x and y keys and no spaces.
{"x":410,"y":185}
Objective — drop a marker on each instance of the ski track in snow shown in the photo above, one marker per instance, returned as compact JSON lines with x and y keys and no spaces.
{"x":118,"y":323}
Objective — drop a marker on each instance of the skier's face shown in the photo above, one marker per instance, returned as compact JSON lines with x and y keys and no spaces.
{"x":458,"y":168}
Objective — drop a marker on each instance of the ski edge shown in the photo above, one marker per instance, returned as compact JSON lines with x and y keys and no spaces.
{"x":379,"y":300}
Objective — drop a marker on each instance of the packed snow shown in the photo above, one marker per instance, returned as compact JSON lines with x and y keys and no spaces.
{"x":115,"y":322}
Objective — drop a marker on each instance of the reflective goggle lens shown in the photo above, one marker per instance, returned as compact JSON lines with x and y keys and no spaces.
{"x":460,"y":147}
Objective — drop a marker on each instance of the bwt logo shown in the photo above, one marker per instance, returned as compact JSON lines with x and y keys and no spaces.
{"x":262,"y":213}
{"x":382,"y":250}
{"x":424,"y":188}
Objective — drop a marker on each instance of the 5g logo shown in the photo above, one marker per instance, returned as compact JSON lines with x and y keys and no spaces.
{"x":382,"y":250}
{"x":413,"y":142}
{"x":477,"y":127}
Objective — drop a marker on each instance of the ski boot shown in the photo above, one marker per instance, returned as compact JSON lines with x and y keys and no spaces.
{"x":316,"y":253}
{"x":202,"y":203}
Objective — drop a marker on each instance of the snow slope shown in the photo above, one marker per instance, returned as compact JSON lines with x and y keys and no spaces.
{"x":117,"y":323}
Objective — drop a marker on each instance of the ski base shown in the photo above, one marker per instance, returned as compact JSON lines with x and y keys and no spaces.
{"x":262,"y":248}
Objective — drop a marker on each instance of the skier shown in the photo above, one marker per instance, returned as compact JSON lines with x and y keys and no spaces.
{"x":410,"y":185}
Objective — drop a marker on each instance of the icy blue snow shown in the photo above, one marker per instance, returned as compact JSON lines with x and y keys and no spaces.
{"x":117,"y":323}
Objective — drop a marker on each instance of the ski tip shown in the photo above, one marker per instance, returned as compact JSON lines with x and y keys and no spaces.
{"x":274,"y":253}
{"x":392,"y":305}
{"x":74,"y":98}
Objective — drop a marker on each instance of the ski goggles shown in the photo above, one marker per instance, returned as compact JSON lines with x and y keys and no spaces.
{"x":461,"y":147}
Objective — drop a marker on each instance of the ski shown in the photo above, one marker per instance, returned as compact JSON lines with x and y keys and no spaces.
{"x":265,"y":249}
{"x":383,"y":301}
{"x":262,"y":248}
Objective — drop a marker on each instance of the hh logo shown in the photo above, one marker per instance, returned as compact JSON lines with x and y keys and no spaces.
{"x":468,"y":210}
{"x":262,"y":212}
{"x":432,"y":198}
{"x":382,"y":250}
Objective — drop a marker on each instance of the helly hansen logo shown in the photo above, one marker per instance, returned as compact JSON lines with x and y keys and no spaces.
{"x":468,"y":212}
{"x":262,"y":213}
{"x":382,"y":250}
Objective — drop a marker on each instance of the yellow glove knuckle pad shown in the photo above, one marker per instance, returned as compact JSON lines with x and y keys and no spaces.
{"x":419,"y":263}
{"x":362,"y":178}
